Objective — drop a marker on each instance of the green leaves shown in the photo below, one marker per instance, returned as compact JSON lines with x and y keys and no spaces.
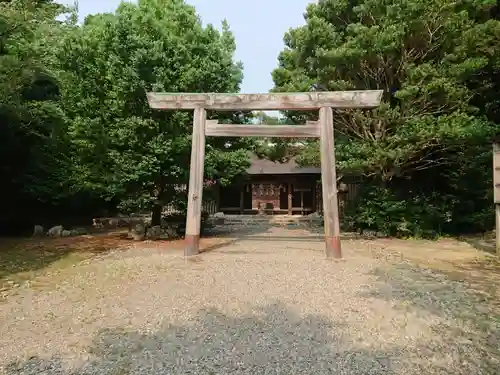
{"x":420,"y":52}
{"x":437,"y":62}
{"x":34,"y":151}
{"x":108,"y":65}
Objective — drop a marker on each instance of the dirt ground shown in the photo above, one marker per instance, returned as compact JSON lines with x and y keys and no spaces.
{"x":263,"y":302}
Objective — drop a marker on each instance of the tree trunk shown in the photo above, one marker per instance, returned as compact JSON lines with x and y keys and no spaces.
{"x":156,"y":215}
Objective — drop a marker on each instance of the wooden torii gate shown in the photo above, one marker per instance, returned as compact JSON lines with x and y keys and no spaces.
{"x":322,"y":101}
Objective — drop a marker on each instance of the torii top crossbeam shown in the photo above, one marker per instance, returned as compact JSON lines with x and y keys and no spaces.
{"x":274,"y":101}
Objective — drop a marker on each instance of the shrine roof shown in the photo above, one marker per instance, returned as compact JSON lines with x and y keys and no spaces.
{"x":265,"y":166}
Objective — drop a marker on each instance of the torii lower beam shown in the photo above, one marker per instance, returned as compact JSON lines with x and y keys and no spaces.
{"x":323,"y":101}
{"x":214,"y":129}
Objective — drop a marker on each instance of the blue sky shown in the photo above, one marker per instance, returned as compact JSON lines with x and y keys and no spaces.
{"x":258,"y":26}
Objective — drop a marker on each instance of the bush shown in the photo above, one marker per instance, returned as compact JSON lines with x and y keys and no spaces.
{"x":380,"y":209}
{"x":420,"y":214}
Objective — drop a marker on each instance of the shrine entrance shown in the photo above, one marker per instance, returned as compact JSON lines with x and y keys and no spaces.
{"x":279,"y":196}
{"x":323,"y":129}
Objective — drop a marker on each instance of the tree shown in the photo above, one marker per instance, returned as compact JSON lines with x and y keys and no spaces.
{"x":32,"y":145}
{"x":434,"y":60}
{"x":423,"y":54}
{"x":123,"y":149}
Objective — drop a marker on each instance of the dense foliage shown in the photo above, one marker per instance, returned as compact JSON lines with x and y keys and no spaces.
{"x":77,"y":137}
{"x":76,"y":126}
{"x":123,"y":148}
{"x":425,"y":152}
{"x":33,"y":147}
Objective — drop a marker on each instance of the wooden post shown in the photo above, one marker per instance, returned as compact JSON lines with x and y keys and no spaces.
{"x":329,"y":185}
{"x":496,"y":192}
{"x":195,"y":194}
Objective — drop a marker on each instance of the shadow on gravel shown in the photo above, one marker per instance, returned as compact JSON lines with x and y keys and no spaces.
{"x":22,"y":258}
{"x":469,"y":328}
{"x":274,"y":340}
{"x":486,"y":242}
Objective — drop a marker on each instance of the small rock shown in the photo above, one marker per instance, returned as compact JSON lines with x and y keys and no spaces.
{"x":66,"y":233}
{"x":55,"y":231}
{"x":38,"y":231}
{"x":97,"y":223}
{"x":138,"y":232}
{"x":171,"y":231}
{"x":74,"y":233}
{"x":154,"y":233}
{"x":81,"y":231}
{"x":369,"y":233}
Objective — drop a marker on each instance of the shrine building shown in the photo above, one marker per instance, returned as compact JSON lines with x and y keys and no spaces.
{"x":275,"y":188}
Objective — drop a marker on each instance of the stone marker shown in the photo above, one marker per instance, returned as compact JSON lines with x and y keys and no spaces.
{"x":55,"y":231}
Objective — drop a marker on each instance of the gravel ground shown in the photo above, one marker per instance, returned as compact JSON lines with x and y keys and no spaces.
{"x":264,"y":304}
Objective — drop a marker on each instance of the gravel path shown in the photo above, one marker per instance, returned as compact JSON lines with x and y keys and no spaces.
{"x":261,"y":305}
